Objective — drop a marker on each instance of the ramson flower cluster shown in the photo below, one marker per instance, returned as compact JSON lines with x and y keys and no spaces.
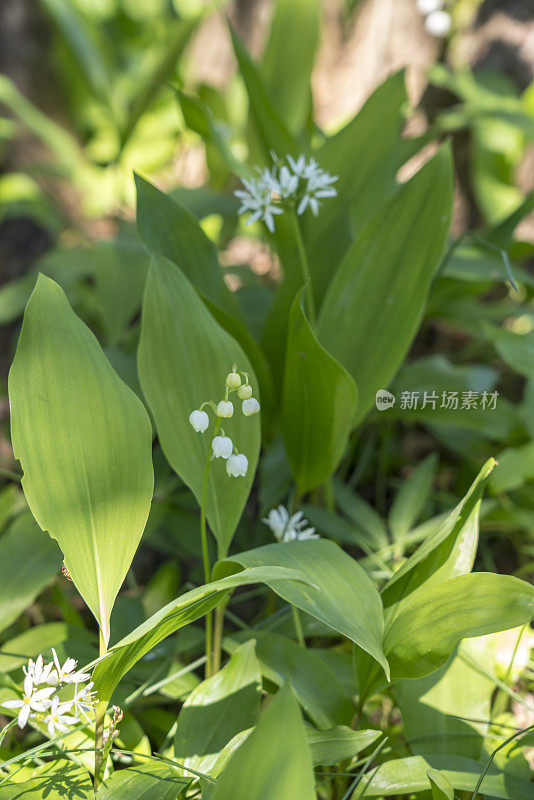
{"x":297,"y":183}
{"x":438,"y":22}
{"x":221,"y":445}
{"x":288,"y":528}
{"x":39,"y":699}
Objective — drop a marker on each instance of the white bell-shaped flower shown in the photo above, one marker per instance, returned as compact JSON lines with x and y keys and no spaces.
{"x":237,"y":465}
{"x":225,"y":409}
{"x":244,"y":392}
{"x":250,"y":407}
{"x":233,"y":380}
{"x":199,"y":420}
{"x":222,"y":447}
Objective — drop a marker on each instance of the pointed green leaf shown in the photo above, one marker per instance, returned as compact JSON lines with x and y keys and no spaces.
{"x":318,"y":406}
{"x":270,"y":128}
{"x":448,"y":552}
{"x":340,"y":593}
{"x":441,"y":786}
{"x":37,"y":560}
{"x":434,"y":620}
{"x":185,"y":609}
{"x":376,"y":299}
{"x":315,"y":685}
{"x":339,"y":743}
{"x":184,"y":357}
{"x":149,"y":780}
{"x":274,"y":763}
{"x":292,"y":98}
{"x":218,"y":709}
{"x":170,"y":230}
{"x":84,"y":441}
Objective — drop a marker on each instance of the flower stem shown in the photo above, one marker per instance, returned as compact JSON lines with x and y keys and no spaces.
{"x":101,"y":709}
{"x":298,"y":626}
{"x":305,"y":267}
{"x":205,"y":551}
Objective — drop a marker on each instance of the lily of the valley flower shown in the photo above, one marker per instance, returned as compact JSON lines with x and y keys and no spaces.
{"x":32,"y":700}
{"x":57,"y":719}
{"x":244,"y":392}
{"x":199,"y":420}
{"x":222,"y":447}
{"x":289,"y":528}
{"x":250,"y":407}
{"x":225,"y":409}
{"x":237,"y":465}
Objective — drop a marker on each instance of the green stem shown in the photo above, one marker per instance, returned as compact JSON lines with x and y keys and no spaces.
{"x":298,"y":626}
{"x":101,"y":709}
{"x":7,"y":728}
{"x":205,"y":551}
{"x":305,"y":267}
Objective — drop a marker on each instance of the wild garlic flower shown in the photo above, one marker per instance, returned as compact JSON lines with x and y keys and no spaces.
{"x":298,"y":183}
{"x":289,"y":528}
{"x":221,"y":445}
{"x":57,"y":718}
{"x":257,"y":198}
{"x":33,"y":700}
{"x":45,"y":704}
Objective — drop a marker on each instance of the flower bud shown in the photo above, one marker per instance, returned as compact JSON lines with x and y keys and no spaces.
{"x":237,"y":465}
{"x":244,"y":392}
{"x":233,"y":380}
{"x":199,"y":420}
{"x":250,"y":407}
{"x":225,"y":409}
{"x":222,"y":447}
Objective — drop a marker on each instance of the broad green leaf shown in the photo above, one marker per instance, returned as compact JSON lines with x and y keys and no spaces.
{"x":441,"y":712}
{"x":274,"y":763}
{"x":447,"y":553}
{"x":28,"y":562}
{"x":89,"y":48}
{"x":434,"y":620}
{"x":376,"y":299}
{"x":292,"y":98}
{"x":185,"y":609}
{"x":184,"y":357}
{"x":270,"y":129}
{"x":339,"y":743}
{"x":170,"y":230}
{"x":84,"y":441}
{"x":365,"y":184}
{"x":411,"y":498}
{"x":515,"y":349}
{"x":120,"y":273}
{"x":442,"y":788}
{"x":318,"y":406}
{"x":218,"y":709}
{"x":57,"y":780}
{"x":16,"y":651}
{"x":515,"y":466}
{"x":149,"y":780}
{"x":437,"y":375}
{"x":408,"y":775}
{"x":316,"y":687}
{"x":339,"y":593}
